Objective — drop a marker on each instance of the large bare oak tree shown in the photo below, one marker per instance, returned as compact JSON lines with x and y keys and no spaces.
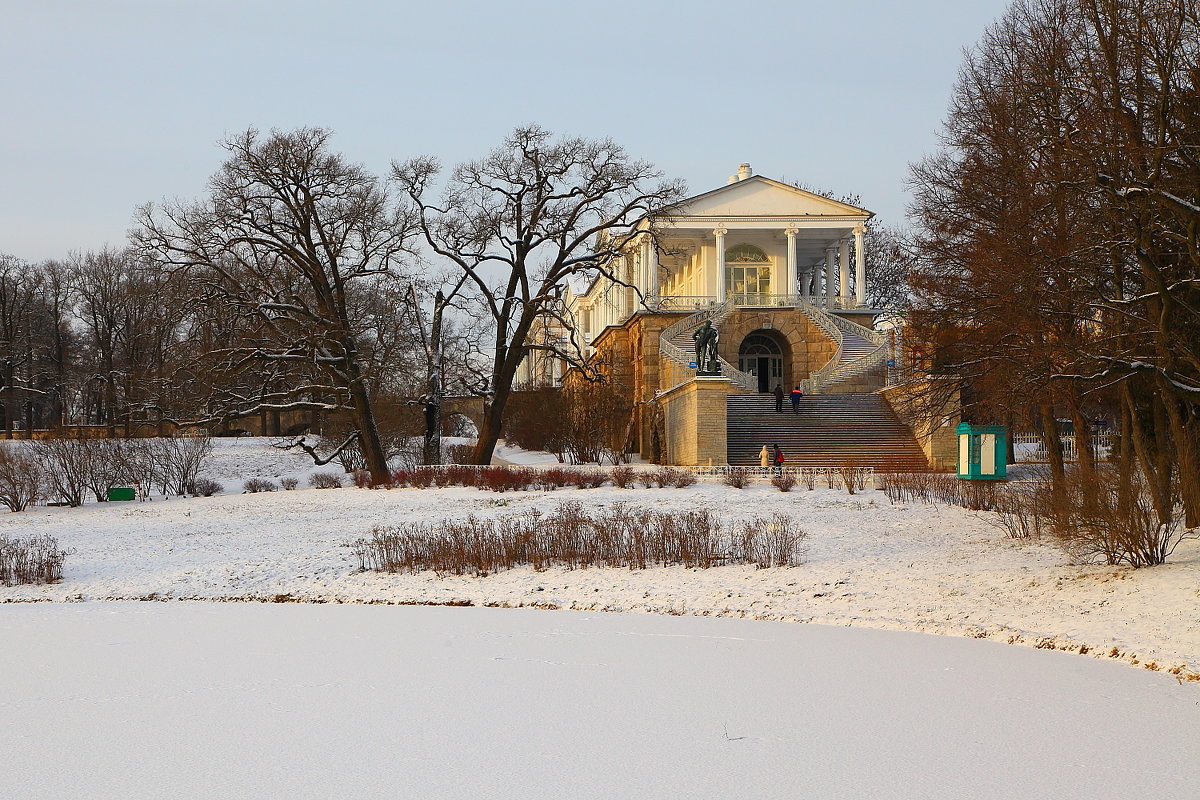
{"x":519,"y":223}
{"x":288,"y":243}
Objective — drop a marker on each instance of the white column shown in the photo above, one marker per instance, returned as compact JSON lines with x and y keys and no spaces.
{"x":643,"y":259}
{"x":720,"y":234}
{"x":651,"y":267}
{"x":860,"y":265}
{"x":805,"y":277}
{"x":829,"y":251}
{"x":793,"y":269}
{"x":844,"y":268}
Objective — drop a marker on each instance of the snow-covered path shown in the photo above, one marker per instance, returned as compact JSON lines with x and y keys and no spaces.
{"x":181,"y":700}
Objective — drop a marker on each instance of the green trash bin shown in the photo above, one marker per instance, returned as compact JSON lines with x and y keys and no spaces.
{"x":122,"y":493}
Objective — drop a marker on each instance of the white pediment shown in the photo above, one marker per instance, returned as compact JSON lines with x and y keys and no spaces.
{"x":762,"y":197}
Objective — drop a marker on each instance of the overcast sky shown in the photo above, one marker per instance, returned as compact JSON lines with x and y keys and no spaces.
{"x":107,"y":105}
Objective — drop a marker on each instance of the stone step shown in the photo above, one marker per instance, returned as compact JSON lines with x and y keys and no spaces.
{"x":827,"y":431}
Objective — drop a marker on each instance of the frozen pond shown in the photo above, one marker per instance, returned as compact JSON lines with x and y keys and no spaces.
{"x":178,"y":699}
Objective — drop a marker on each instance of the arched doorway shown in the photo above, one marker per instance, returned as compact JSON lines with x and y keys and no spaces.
{"x":761,"y":354}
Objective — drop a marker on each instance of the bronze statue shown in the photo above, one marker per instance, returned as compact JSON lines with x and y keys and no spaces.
{"x":706,"y":338}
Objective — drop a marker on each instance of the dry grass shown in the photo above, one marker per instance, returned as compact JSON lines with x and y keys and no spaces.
{"x":30,"y":559}
{"x":621,"y":536}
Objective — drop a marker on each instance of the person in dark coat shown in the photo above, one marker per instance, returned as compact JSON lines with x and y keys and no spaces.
{"x":778,"y":460}
{"x":779,"y":398}
{"x":796,"y":396}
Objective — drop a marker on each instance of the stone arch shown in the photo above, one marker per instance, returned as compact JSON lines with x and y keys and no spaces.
{"x":808,"y":346}
{"x":767,"y":353}
{"x":459,"y":424}
{"x":460,"y":410}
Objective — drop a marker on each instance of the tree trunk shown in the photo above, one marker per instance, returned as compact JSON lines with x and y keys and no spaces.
{"x":1086,"y":457}
{"x":368,"y":431}
{"x":433,"y":401}
{"x":1182,"y":421}
{"x":1058,"y":472}
{"x":1158,"y":483}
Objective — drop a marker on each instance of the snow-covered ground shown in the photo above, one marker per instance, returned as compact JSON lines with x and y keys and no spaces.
{"x":872,"y":564}
{"x":184,"y":700}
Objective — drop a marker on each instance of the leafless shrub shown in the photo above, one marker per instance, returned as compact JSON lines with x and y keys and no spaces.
{"x":461,"y":475}
{"x":421,"y":477}
{"x":809,"y":477}
{"x":361,"y":478}
{"x":551,"y":479}
{"x":588,"y":478}
{"x":30,"y":559}
{"x":460,"y":453}
{"x":288,"y":483}
{"x":325,"y":480}
{"x":505,"y":479}
{"x":623,"y":476}
{"x":110,"y":468}
{"x":66,"y":465}
{"x":848,"y":473}
{"x":1018,"y":513}
{"x":768,"y":542}
{"x":684,"y":478}
{"x":635,"y":538}
{"x":20,"y":477}
{"x":206,"y":487}
{"x":784,"y":482}
{"x":737,"y":477}
{"x":256,"y":485}
{"x":1114,"y":518}
{"x":182,"y":458}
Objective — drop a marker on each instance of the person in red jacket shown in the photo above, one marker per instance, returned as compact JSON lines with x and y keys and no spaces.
{"x":796,"y":396}
{"x":778,"y":460}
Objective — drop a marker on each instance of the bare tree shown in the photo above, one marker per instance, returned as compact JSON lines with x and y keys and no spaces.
{"x":289,"y":242}
{"x":521,"y":221}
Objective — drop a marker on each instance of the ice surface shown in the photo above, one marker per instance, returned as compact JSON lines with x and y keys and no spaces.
{"x":181,"y":700}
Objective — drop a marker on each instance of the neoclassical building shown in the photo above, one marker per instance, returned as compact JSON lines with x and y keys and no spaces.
{"x":781,"y":273}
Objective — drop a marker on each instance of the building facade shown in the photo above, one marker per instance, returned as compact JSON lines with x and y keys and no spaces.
{"x":781,"y":273}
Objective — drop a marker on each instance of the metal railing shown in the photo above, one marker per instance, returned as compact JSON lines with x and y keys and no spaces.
{"x":679,"y":302}
{"x":715,"y":312}
{"x":748,"y":300}
{"x":834,"y":371}
{"x":1030,"y":448}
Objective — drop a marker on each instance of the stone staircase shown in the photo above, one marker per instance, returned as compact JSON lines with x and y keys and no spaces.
{"x":830,"y":430}
{"x":861,"y":351}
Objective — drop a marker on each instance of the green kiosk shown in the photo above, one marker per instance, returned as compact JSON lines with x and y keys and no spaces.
{"x":982,"y":451}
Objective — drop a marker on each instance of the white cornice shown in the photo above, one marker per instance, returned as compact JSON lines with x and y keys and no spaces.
{"x":806,"y":221}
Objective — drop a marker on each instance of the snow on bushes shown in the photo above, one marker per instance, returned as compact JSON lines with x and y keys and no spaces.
{"x":256,"y":485}
{"x":621,"y":536}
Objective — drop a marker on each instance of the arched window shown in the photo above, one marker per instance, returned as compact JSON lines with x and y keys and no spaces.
{"x":746,"y":254}
{"x":757,"y":344}
{"x":747,"y":274}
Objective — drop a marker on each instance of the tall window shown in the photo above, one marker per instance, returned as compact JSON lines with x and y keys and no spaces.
{"x":747,"y":272}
